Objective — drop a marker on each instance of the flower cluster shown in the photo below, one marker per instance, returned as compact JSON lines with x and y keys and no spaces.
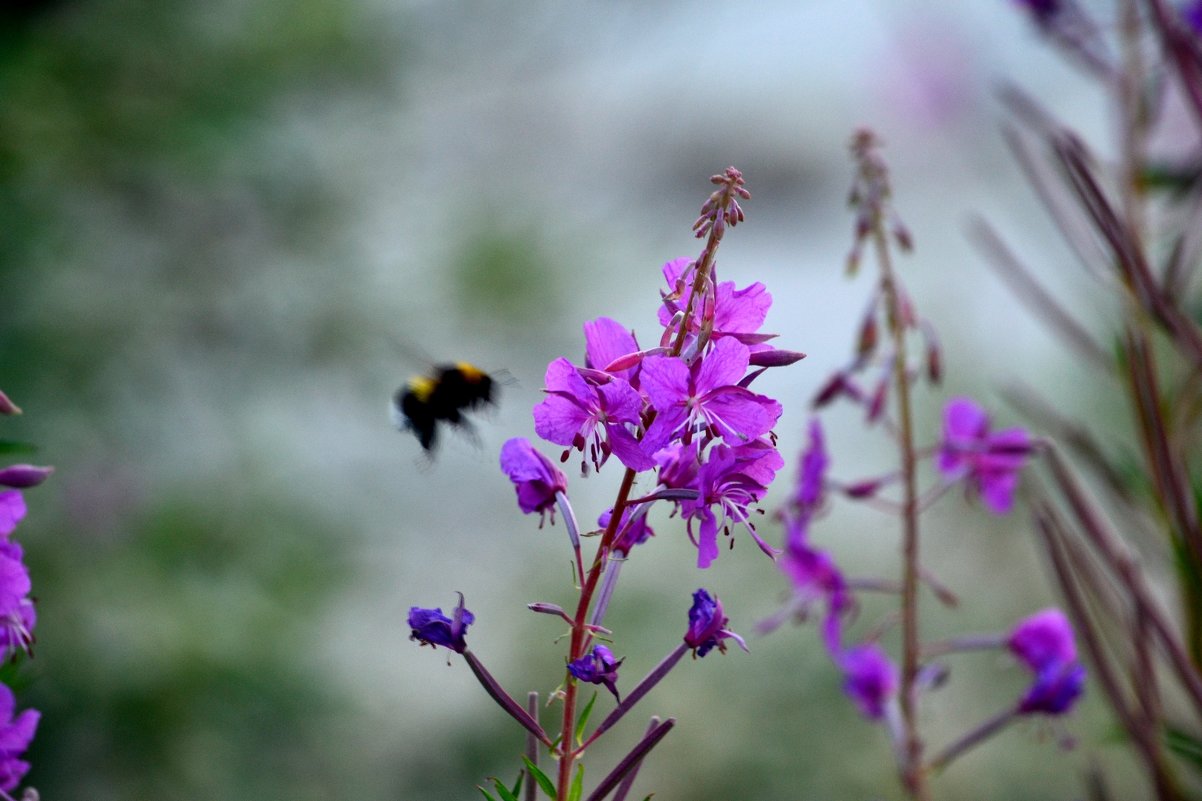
{"x":17,"y":613}
{"x":685,"y":413}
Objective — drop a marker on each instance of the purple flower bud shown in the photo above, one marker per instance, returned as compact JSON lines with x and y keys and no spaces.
{"x":535,"y":478}
{"x":22,"y":476}
{"x":1056,"y":688}
{"x":1042,"y":639}
{"x":633,"y":530}
{"x":7,"y":406}
{"x":707,"y":625}
{"x":598,"y":667}
{"x":871,"y":678}
{"x":432,"y":627}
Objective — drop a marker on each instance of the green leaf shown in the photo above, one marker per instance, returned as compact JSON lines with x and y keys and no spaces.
{"x":517,"y":786}
{"x":577,"y":788}
{"x":588,"y":710}
{"x":1184,"y":745}
{"x":504,"y":792}
{"x":487,"y":794}
{"x":13,"y":446}
{"x":543,"y":780}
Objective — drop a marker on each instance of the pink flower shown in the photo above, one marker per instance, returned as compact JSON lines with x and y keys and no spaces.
{"x":989,"y":461}
{"x":534,"y":477}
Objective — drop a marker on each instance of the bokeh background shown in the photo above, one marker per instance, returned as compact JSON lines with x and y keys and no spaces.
{"x":230,"y":229}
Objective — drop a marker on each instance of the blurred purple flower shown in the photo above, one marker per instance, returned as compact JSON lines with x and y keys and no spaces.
{"x":707,"y":625}
{"x":17,"y":614}
{"x":535,"y":478}
{"x":1192,"y":14}
{"x":814,"y":462}
{"x":815,"y":578}
{"x":16,"y":732}
{"x":591,"y":414}
{"x":990,"y":461}
{"x":1056,"y":688}
{"x":1043,"y":638}
{"x":12,"y":511}
{"x":432,"y":627}
{"x":871,"y":678}
{"x":598,"y":667}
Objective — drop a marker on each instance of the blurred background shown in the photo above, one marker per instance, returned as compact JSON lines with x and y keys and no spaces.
{"x":231,"y":229}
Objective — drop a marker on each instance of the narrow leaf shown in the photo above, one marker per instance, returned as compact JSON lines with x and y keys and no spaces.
{"x":1184,"y":745}
{"x":588,"y":710}
{"x":543,"y":780}
{"x":485,"y":793}
{"x":577,"y":788}
{"x":503,"y":791}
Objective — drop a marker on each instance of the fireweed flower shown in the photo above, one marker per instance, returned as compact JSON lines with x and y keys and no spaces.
{"x":632,"y":531}
{"x":598,"y":667}
{"x":990,"y":461}
{"x":815,"y":578}
{"x":16,"y":732}
{"x":724,"y":482}
{"x":707,"y":625}
{"x":535,"y":478}
{"x":737,"y":313}
{"x":17,"y":613}
{"x":593,"y":414}
{"x":431,"y":627}
{"x":705,"y":397}
{"x":1044,"y":643}
{"x":605,"y":341}
{"x":870,"y":678}
{"x":1043,"y":638}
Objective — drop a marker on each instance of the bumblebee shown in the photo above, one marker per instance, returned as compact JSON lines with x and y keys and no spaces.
{"x":443,"y":395}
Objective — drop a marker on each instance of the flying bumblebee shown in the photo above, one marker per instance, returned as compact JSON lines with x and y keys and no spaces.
{"x":444,"y":394}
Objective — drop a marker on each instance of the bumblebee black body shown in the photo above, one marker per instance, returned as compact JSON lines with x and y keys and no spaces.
{"x":443,"y":395}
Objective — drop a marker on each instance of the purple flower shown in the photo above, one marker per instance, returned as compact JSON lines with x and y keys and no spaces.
{"x":1056,"y":688}
{"x":593,"y":414}
{"x":12,"y":511}
{"x":1043,"y":638}
{"x":989,"y":460}
{"x":431,"y":627}
{"x":22,"y":476}
{"x":725,"y":483}
{"x":707,"y":625}
{"x":15,"y":735}
{"x":535,"y":478}
{"x":633,"y":530}
{"x":814,"y":462}
{"x":1044,"y":643}
{"x":705,"y":397}
{"x":605,"y":341}
{"x":1192,"y":14}
{"x":598,"y":667}
{"x":737,"y":313}
{"x":815,"y":578}
{"x":870,"y":678}
{"x":17,"y":614}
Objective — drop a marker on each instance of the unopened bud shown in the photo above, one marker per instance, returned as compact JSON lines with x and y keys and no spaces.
{"x":23,"y":476}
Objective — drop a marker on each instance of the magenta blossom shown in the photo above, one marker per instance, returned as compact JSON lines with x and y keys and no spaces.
{"x":633,"y":530}
{"x":1043,"y":638}
{"x":816,"y":579}
{"x":16,"y":732}
{"x":726,"y":491}
{"x":705,"y":397}
{"x":431,"y":627}
{"x":871,"y":678}
{"x":535,"y":478}
{"x":605,"y":341}
{"x":12,"y":511}
{"x":594,"y":415}
{"x":707,"y":625}
{"x":1044,"y":643}
{"x":990,"y":461}
{"x":598,"y":667}
{"x":737,"y":313}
